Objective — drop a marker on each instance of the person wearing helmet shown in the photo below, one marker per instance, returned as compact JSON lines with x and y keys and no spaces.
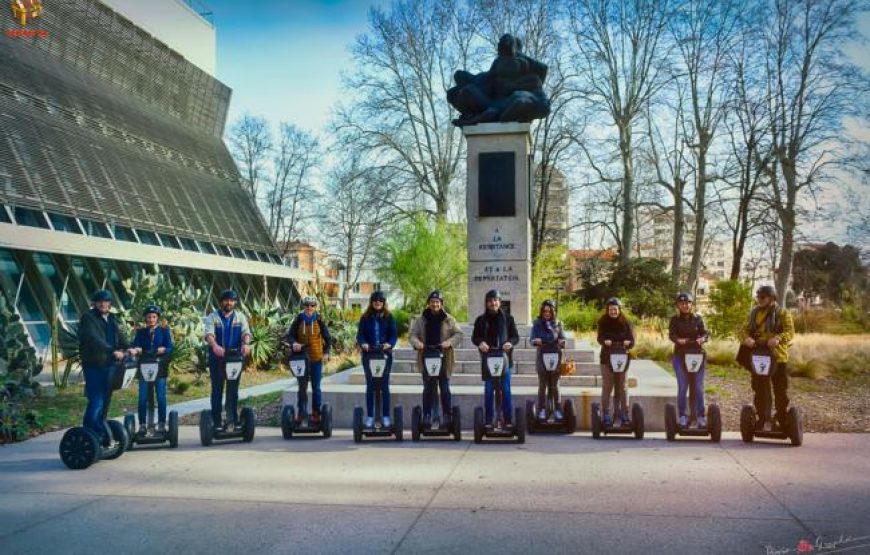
{"x":547,"y":330}
{"x":225,"y":329}
{"x":309,"y":331}
{"x":377,"y":330}
{"x":154,"y":339}
{"x":687,"y":330}
{"x":102,"y":344}
{"x":771,"y":325}
{"x":494,"y":329}
{"x":613,"y":329}
{"x":435,"y":327}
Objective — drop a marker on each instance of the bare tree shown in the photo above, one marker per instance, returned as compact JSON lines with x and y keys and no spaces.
{"x":290,"y":195}
{"x":251,"y":141}
{"x":810,"y":89}
{"x":397,"y":110}
{"x":618,"y":47}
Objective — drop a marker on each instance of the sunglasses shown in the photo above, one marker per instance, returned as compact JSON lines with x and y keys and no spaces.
{"x":310,"y":304}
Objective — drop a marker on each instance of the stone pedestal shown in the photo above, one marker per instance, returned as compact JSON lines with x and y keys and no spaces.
{"x":498,"y":207}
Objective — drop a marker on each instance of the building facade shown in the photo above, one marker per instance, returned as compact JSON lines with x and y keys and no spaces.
{"x":112,"y":162}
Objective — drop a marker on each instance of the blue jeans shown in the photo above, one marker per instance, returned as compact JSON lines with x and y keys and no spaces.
{"x":689,"y":382}
{"x":489,"y":396}
{"x":98,"y":390}
{"x":218,"y":378}
{"x":429,"y":385}
{"x":160,"y":389}
{"x":314,"y":374}
{"x":383,"y":383}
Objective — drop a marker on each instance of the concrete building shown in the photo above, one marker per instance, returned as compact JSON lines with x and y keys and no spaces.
{"x":556,"y":228}
{"x":112,"y":162}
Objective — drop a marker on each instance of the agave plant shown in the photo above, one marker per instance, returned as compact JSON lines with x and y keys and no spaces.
{"x":268,"y":325}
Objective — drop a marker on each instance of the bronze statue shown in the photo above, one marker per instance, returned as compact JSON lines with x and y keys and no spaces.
{"x":512,"y":89}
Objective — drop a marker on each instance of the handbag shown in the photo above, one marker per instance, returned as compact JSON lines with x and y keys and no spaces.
{"x":567,"y":367}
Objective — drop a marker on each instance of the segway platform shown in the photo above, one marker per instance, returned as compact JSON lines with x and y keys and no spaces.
{"x":713,"y":429}
{"x":289,"y":426}
{"x":208,"y":434}
{"x":395,"y":430}
{"x":170,"y":436}
{"x":436,"y":429}
{"x":565,"y":425}
{"x":496,"y":362}
{"x":635,"y":426}
{"x":793,"y":431}
{"x":80,"y":447}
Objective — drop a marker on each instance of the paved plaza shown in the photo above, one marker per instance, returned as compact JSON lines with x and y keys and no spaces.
{"x":555,"y":494}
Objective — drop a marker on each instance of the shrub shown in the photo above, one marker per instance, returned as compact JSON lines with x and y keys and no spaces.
{"x":642,"y":284}
{"x":730,"y":303}
{"x":403,"y":320}
{"x":578,"y":316}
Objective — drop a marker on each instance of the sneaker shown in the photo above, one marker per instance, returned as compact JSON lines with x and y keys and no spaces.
{"x":386,"y":421}
{"x":315,"y":418}
{"x":300,"y":418}
{"x":768,"y":426}
{"x":606,"y":420}
{"x":759,"y":426}
{"x":542,"y":414}
{"x":370,"y":422}
{"x":161,"y":428}
{"x":624,"y":421}
{"x":142,"y":431}
{"x":446,"y":422}
{"x":559,"y":415}
{"x":427,"y":421}
{"x":684,"y":421}
{"x":151,"y":430}
{"x":702,"y":423}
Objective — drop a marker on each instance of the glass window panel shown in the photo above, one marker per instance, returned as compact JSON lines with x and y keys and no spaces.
{"x":124,"y":233}
{"x":40,"y":333}
{"x":275,"y":258}
{"x":83,"y":273}
{"x":64,"y":223}
{"x":169,"y":241}
{"x":9,"y":268}
{"x":32,"y":218}
{"x":45,"y":266}
{"x":4,"y":215}
{"x":27,"y":304}
{"x":189,"y":244}
{"x":251,"y":255}
{"x":114,"y":279}
{"x":148,"y":237}
{"x":207,"y":247}
{"x":223,"y":249}
{"x":263,"y":257}
{"x":237,"y":252}
{"x":96,"y":229}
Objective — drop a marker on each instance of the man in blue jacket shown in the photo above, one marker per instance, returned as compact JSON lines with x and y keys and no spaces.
{"x":102,"y":342}
{"x":154,"y":340}
{"x":225,"y":329}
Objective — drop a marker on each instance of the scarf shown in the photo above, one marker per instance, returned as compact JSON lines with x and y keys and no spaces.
{"x":495,"y":328}
{"x":770,"y":321}
{"x":432,"y":326}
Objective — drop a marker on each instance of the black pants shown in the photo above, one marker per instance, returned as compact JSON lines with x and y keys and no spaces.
{"x":429,"y":385}
{"x":548,"y":388}
{"x":761,"y":387}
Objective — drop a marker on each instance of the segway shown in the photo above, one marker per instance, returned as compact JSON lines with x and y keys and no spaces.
{"x":233,"y":363}
{"x":617,"y":358}
{"x":149,"y":371}
{"x":762,"y":363}
{"x":693,"y":361}
{"x":551,"y":356}
{"x":496,"y":362}
{"x":377,"y":366}
{"x":299,"y":366}
{"x":80,"y":447}
{"x":433,"y":366}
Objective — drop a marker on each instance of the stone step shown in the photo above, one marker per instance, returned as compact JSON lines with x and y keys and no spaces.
{"x":473,"y":367}
{"x":357,"y":377}
{"x":520,"y":355}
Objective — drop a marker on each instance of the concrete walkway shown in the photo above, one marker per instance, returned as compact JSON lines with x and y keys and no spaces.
{"x":554,"y":494}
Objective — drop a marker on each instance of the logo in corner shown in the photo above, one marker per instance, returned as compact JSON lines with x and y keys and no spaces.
{"x":24,"y":10}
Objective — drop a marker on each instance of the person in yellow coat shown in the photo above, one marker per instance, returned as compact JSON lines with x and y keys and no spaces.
{"x":773,"y":326}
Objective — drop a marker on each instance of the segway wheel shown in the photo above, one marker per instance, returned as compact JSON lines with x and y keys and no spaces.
{"x":206,"y":428}
{"x":671,"y":421}
{"x":173,"y":429}
{"x":714,"y":423}
{"x":456,"y":417}
{"x":79,"y":448}
{"x":416,"y":422}
{"x":130,"y":425}
{"x":326,"y":420}
{"x":249,"y":424}
{"x":596,"y":421}
{"x":288,"y":420}
{"x":570,"y":416}
{"x":747,"y":423}
{"x":119,"y":434}
{"x":795,"y":427}
{"x":531,"y":415}
{"x":357,"y":424}
{"x":637,"y":420}
{"x":398,"y":423}
{"x":478,"y":424}
{"x":520,"y":423}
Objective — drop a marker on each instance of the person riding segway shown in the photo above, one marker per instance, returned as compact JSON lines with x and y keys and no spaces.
{"x":549,"y":414}
{"x":435,"y":335}
{"x":300,"y":368}
{"x":495,"y":334}
{"x":228,"y":336}
{"x":102,"y":344}
{"x":765,"y":340}
{"x":616,"y":337}
{"x":309,"y":332}
{"x":688,"y":334}
{"x":152,"y":344}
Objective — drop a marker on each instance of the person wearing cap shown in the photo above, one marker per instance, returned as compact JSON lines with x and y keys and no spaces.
{"x":225,"y":329}
{"x":547,"y":330}
{"x":309,"y":331}
{"x":773,"y":326}
{"x":154,"y":339}
{"x":435,"y":327}
{"x":495,"y":330}
{"x":102,"y":344}
{"x":613,"y":329}
{"x":687,"y":330}
{"x":377,"y":330}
